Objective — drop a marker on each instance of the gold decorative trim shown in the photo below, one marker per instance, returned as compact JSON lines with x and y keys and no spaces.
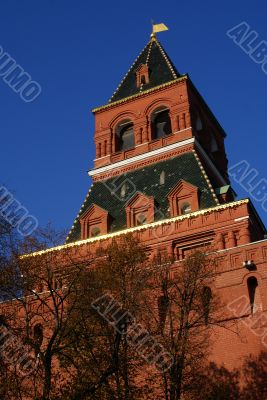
{"x":80,"y":211}
{"x":115,"y":103}
{"x":136,"y":165}
{"x":206,"y":177}
{"x":167,"y":60}
{"x":149,"y":46}
{"x":149,"y":50}
{"x":140,"y":228}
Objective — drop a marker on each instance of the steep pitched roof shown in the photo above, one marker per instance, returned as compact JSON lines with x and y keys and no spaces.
{"x":160,"y":67}
{"x":107,"y":194}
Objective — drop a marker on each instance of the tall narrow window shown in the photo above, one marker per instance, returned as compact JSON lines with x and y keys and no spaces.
{"x":254,"y":295}
{"x":99,"y":150}
{"x":125,"y":136}
{"x":206,"y":300}
{"x":105,"y":148}
{"x":38,"y":336}
{"x":160,"y":123}
{"x":143,"y":80}
{"x":162,"y":309}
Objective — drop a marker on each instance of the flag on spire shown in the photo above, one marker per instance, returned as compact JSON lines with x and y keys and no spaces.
{"x":159,"y":28}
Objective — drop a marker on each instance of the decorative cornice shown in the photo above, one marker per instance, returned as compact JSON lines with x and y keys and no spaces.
{"x":140,"y":228}
{"x":134,"y":96}
{"x":141,"y":157}
{"x":145,"y":162}
{"x":127,"y":168}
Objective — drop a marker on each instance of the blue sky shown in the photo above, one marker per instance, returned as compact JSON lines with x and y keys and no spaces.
{"x":78,"y":52}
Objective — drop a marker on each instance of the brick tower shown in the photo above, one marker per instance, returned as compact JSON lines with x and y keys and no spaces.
{"x":159,"y":151}
{"x":160,"y":172}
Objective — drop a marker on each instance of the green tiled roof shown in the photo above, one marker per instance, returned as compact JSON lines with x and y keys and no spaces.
{"x":160,"y":66}
{"x":107,"y":194}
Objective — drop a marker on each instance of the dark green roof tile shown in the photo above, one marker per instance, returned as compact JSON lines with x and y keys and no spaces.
{"x":161,"y":71}
{"x":106,"y":194}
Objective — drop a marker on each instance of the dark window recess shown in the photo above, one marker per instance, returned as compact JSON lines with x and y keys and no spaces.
{"x":161,"y":124}
{"x":143,"y":80}
{"x":125,"y":137}
{"x":162,"y":310}
{"x":252,"y":288}
{"x":38,"y":336}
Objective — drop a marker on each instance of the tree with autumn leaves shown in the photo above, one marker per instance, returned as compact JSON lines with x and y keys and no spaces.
{"x":89,"y":349}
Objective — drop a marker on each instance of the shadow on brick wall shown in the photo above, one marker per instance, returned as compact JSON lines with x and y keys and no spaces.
{"x":248,"y":383}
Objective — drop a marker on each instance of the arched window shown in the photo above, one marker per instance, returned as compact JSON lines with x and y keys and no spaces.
{"x":143,"y":80}
{"x":125,"y":136}
{"x":186,"y":208}
{"x":206,"y":299}
{"x":160,"y":123}
{"x":254,"y":295}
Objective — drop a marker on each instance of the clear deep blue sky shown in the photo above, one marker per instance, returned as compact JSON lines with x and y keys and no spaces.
{"x":79,"y":50}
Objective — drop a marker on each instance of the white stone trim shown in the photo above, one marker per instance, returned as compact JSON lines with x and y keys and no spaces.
{"x":162,"y":150}
{"x":242,"y":218}
{"x":140,"y":157}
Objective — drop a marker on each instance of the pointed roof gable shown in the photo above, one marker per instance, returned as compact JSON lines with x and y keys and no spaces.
{"x":184,"y":186}
{"x":139,"y":198}
{"x":94,"y":210}
{"x":161,"y":70}
{"x":146,"y":180}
